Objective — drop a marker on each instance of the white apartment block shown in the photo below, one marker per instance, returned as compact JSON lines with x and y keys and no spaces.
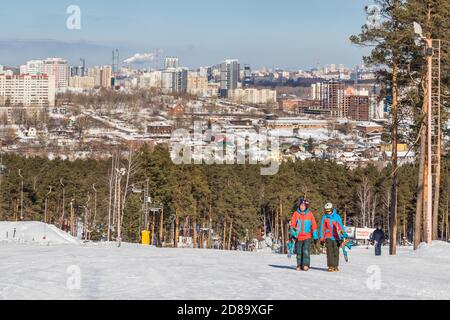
{"x":254,"y":96}
{"x":33,"y":67}
{"x":174,"y":80}
{"x":27,"y":90}
{"x":316,"y":91}
{"x":171,"y":62}
{"x":151,"y":79}
{"x":56,"y":67}
{"x":82,"y":82}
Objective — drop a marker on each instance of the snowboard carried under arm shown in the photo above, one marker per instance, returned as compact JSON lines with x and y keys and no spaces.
{"x":290,"y":246}
{"x":346,"y":244}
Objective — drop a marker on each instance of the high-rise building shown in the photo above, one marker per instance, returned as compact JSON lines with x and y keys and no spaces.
{"x":174,"y":80}
{"x":316,"y":91}
{"x":205,"y":72}
{"x":106,"y":75}
{"x":80,"y":70}
{"x":357,"y":107}
{"x":229,"y":76}
{"x":333,"y":98}
{"x":33,"y":67}
{"x":58,"y":68}
{"x":332,"y":68}
{"x":102,"y":75}
{"x":171,"y":62}
{"x":27,"y":90}
{"x":115,"y":61}
{"x":197,"y":84}
{"x":151,"y":79}
{"x":248,"y":78}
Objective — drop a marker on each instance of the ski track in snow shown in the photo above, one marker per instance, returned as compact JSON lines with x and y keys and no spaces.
{"x":34,"y":271}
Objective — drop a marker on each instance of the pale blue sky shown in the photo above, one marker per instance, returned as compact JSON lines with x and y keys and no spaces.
{"x":285,"y":33}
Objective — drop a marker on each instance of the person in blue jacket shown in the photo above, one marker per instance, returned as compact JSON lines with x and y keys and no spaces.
{"x":332,"y":233}
{"x":378,"y":238}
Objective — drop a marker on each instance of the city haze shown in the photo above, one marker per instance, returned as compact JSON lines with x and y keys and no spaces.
{"x":291,"y":34}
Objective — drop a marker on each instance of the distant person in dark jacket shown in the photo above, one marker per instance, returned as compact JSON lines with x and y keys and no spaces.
{"x":378,"y":239}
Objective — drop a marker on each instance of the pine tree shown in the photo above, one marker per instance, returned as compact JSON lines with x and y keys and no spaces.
{"x":390,"y":42}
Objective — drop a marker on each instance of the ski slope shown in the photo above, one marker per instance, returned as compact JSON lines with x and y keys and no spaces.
{"x":103,"y":271}
{"x":34,"y":233}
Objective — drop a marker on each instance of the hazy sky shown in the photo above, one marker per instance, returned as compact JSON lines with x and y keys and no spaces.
{"x":285,"y":33}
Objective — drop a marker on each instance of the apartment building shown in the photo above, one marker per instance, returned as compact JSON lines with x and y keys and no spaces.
{"x":27,"y":90}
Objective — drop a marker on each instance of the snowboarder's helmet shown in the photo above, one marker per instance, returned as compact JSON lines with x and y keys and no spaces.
{"x":329,"y":206}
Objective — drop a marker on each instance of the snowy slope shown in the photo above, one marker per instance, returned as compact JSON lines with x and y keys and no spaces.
{"x":34,"y":232}
{"x":136,"y":272}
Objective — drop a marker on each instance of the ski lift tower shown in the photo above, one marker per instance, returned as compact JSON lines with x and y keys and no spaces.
{"x":432,"y":177}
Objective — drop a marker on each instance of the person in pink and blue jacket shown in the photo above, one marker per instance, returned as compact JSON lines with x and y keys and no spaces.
{"x":303,"y":231}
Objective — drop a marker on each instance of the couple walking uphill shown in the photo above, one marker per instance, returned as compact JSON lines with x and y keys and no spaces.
{"x":303,"y":230}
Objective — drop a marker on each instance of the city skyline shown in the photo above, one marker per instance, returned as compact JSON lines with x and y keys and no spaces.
{"x":284,"y":36}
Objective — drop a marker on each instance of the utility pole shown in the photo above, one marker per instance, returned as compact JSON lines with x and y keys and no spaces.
{"x":110,"y":199}
{"x":146,"y":205}
{"x":95,"y":206}
{"x":62,"y":215}
{"x":428,"y":171}
{"x":46,"y":203}
{"x":432,"y":165}
{"x":21,"y":195}
{"x":86,"y":218}
{"x":161,"y":224}
{"x":120,"y":174}
{"x":72,"y":219}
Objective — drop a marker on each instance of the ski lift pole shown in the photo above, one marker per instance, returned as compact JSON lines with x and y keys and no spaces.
{"x":62,"y":215}
{"x":94,"y":222}
{"x":46,"y":203}
{"x":21,"y":195}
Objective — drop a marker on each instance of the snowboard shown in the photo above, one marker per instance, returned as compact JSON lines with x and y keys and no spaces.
{"x":346,"y":245}
{"x":290,"y":246}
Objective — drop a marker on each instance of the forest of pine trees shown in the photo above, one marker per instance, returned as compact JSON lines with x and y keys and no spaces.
{"x":234,"y":200}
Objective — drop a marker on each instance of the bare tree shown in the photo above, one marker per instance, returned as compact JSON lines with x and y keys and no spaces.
{"x":364,"y":193}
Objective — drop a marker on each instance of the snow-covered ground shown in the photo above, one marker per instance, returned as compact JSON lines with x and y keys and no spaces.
{"x":67,"y":270}
{"x":33,"y":233}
